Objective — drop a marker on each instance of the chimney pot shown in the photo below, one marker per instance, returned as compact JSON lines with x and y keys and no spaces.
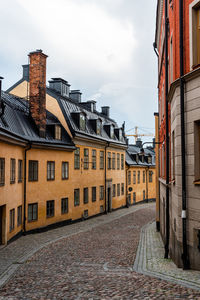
{"x":75,"y":95}
{"x":105,"y":110}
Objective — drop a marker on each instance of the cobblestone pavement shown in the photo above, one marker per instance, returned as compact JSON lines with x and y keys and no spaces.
{"x":150,"y":260}
{"x":93,"y":264}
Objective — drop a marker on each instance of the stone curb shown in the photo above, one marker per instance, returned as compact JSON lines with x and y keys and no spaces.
{"x":86,"y":226}
{"x":141,"y":262}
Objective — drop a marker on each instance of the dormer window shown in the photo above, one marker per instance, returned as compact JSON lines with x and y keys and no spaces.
{"x":79,"y":119}
{"x":82,"y":122}
{"x":57,"y":132}
{"x":98,"y":127}
{"x":112,"y":132}
{"x":137,"y":158}
{"x":149,"y":159}
{"x":109,"y":128}
{"x":118,"y":132}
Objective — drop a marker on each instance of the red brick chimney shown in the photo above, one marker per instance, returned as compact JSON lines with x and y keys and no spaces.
{"x":37,"y":80}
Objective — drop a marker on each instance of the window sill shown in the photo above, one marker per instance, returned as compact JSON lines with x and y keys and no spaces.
{"x":50,"y":179}
{"x":197,"y":182}
{"x":50,"y":217}
{"x":20,"y":181}
{"x":2,"y":184}
{"x":65,"y":178}
{"x":12,"y":182}
{"x":31,"y":221}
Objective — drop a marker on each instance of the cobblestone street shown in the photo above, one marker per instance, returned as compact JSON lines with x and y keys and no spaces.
{"x":94,"y":264}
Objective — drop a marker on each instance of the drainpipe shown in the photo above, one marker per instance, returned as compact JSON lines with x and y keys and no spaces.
{"x":127,"y":204}
{"x":106,"y":176}
{"x":185,"y":258}
{"x":147,"y":196}
{"x":155,"y":49}
{"x":167,"y":131}
{"x":25,"y":171}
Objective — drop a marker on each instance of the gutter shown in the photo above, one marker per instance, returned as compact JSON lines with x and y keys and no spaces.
{"x":167,"y":131}
{"x":185,"y":258}
{"x":25,"y":172}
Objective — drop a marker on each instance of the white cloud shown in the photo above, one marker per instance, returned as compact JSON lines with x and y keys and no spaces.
{"x":83,"y":34}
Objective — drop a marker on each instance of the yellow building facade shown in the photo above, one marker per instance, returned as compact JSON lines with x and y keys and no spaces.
{"x":72,"y":165}
{"x":140,"y":174}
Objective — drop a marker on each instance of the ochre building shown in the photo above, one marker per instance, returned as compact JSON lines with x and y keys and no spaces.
{"x":140,"y":174}
{"x":60,"y":160}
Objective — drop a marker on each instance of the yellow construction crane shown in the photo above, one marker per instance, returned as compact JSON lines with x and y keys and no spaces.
{"x":136,"y":135}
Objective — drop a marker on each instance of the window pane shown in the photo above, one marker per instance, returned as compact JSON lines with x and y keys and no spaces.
{"x":85,"y":195}
{"x":2,"y":171}
{"x":77,"y":158}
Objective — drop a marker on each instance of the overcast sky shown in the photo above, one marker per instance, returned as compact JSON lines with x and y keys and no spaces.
{"x":102,"y":47}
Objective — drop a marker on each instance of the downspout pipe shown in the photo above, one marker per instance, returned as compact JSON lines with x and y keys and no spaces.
{"x":105,"y":192}
{"x":167,"y":131}
{"x":25,"y":172}
{"x":185,"y":257}
{"x":147,"y":190}
{"x":155,"y":49}
{"x":127,"y":203}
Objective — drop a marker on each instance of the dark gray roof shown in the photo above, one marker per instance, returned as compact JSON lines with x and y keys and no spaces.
{"x":69,"y":106}
{"x":134,"y":151}
{"x":16,"y":121}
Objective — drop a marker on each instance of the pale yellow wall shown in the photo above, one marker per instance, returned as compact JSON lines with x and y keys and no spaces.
{"x":51,"y":103}
{"x":138,"y":188}
{"x":44,"y":190}
{"x":11,"y":195}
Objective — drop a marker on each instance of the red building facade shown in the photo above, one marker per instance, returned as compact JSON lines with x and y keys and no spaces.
{"x":177,"y":44}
